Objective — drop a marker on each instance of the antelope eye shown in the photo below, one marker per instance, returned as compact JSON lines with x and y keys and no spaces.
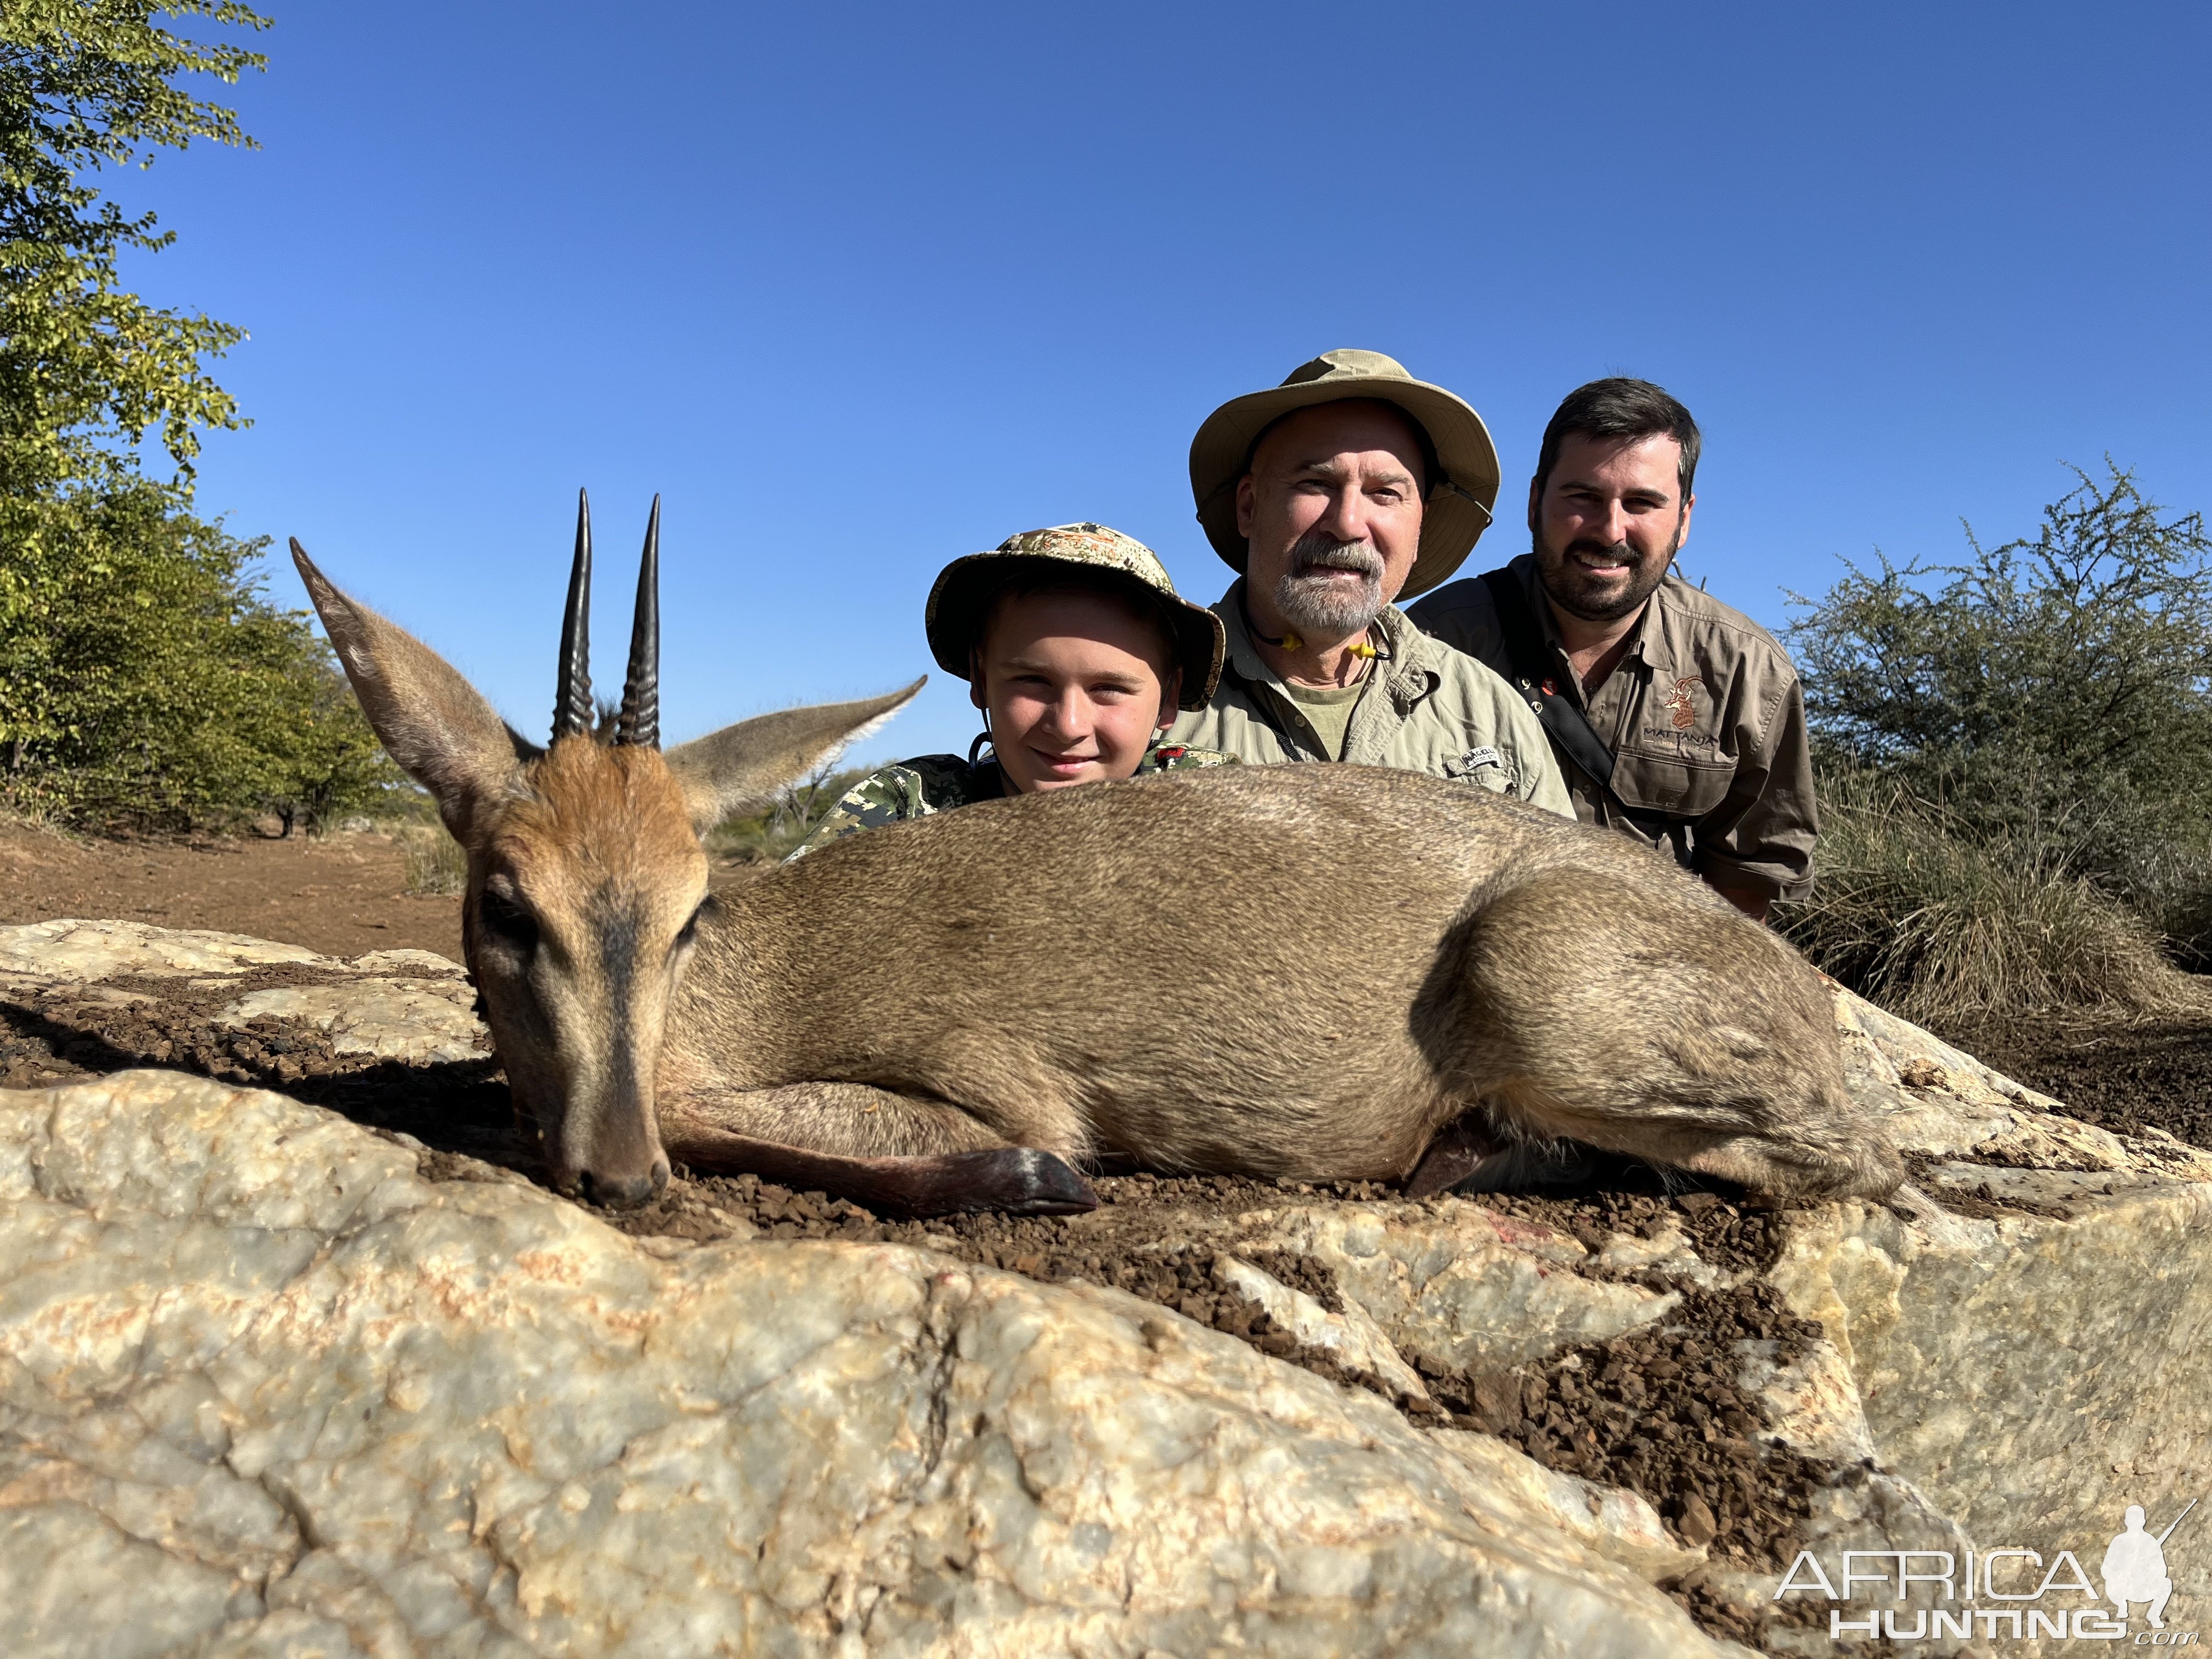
{"x":505,"y":920}
{"x":691,"y":929}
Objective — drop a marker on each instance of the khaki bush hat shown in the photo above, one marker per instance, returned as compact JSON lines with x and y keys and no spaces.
{"x":1460,"y":500}
{"x":965,"y":590}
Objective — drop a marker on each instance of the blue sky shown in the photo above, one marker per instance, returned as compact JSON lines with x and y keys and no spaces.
{"x":861,"y":288}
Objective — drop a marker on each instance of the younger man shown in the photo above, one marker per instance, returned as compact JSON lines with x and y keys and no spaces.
{"x":1678,"y":720}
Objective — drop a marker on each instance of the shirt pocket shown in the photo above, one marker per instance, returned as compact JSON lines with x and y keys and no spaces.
{"x":1672,"y":784}
{"x":1485,"y":768}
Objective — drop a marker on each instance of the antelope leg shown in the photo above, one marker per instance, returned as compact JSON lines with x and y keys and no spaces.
{"x":1460,"y":1145}
{"x":1019,"y":1180}
{"x":905,"y":1154}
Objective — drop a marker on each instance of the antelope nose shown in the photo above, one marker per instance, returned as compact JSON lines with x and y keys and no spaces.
{"x":623,"y":1192}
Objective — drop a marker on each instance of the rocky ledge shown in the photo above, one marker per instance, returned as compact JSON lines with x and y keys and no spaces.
{"x":275,"y":1381}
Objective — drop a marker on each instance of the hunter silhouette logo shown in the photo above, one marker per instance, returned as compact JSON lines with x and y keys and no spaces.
{"x":2134,"y":1565}
{"x":1998,"y":1590}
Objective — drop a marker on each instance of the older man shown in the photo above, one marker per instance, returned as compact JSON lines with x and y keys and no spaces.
{"x":1681,"y":720}
{"x":1332,"y":494}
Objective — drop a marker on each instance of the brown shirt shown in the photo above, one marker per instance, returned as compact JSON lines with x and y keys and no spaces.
{"x":1707,"y":722}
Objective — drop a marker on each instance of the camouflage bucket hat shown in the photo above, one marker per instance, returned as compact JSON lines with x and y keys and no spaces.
{"x":967,"y":588}
{"x":1460,"y":499}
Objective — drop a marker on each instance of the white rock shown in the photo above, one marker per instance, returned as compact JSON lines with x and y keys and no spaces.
{"x":2006,"y":1366}
{"x":1464,"y":1286}
{"x":84,"y":951}
{"x":397,"y":962}
{"x":1812,"y":1400}
{"x":264,"y":1391}
{"x":1352,"y":1337}
{"x":416,"y":1020}
{"x":1610,"y":1520}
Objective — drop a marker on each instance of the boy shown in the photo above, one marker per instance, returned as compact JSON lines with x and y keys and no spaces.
{"x":1079,"y":651}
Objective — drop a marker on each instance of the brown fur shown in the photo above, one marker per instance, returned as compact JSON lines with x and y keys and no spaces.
{"x":594,"y":843}
{"x":1298,"y":971}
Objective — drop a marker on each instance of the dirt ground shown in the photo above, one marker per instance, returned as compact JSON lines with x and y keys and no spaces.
{"x":2122,"y":1076}
{"x":343,"y":895}
{"x":1657,"y":1410}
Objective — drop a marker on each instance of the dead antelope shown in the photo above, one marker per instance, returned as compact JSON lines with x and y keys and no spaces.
{"x":1300,"y":971}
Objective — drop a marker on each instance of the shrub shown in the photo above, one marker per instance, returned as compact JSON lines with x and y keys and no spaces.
{"x":2054,"y":692}
{"x":768,"y":836}
{"x":2017,"y":752}
{"x":1948,"y":926}
{"x":321,"y":761}
{"x":144,"y":676}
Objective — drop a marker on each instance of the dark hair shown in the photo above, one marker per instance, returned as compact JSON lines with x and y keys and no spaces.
{"x":1620,"y":407}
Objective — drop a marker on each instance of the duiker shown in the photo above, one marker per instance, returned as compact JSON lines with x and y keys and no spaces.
{"x":1299,"y":971}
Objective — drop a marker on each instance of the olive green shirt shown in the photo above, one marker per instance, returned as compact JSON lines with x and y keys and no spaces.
{"x":1425,"y":708}
{"x":1707,"y":722}
{"x":1327,"y":709}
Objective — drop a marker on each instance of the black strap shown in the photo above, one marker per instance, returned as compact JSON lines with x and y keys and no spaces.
{"x":1565,"y":722}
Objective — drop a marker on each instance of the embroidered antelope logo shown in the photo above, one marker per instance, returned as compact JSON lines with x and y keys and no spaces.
{"x":1678,"y":704}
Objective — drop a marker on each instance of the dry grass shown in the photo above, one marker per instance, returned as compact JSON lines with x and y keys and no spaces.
{"x":28,"y":822}
{"x":436,"y":865}
{"x":1945,"y":929}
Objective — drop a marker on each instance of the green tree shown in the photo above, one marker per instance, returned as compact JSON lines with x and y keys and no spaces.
{"x":154,"y":682}
{"x":322,"y":761}
{"x":86,"y":370}
{"x":2054,"y":691}
{"x":143,"y":672}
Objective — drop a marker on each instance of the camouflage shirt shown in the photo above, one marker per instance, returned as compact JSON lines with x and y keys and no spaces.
{"x":937,"y":783}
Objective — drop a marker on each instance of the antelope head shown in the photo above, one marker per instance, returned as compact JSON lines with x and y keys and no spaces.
{"x":587,"y":880}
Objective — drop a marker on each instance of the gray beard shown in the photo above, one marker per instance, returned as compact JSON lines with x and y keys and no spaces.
{"x":1317,"y":609}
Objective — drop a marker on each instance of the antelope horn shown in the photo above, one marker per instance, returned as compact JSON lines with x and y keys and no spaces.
{"x":572,"y":702}
{"x":639,"y":724}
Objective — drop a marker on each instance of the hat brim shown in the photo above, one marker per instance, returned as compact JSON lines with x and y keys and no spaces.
{"x":1459,"y":505}
{"x":961,"y":599}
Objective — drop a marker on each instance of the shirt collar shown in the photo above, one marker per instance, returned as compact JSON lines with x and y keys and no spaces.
{"x":1647,"y":640}
{"x":1408,"y":671}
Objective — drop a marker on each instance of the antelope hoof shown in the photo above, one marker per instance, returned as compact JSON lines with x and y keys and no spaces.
{"x":1018,"y":1181}
{"x":1465,"y":1159}
{"x":1453,"y":1155}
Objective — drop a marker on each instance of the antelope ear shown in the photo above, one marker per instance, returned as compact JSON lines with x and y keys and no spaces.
{"x":741,"y":767}
{"x":433,"y":722}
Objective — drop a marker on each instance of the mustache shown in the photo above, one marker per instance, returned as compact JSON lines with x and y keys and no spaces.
{"x":1313,"y":552}
{"x":1620,"y":551}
